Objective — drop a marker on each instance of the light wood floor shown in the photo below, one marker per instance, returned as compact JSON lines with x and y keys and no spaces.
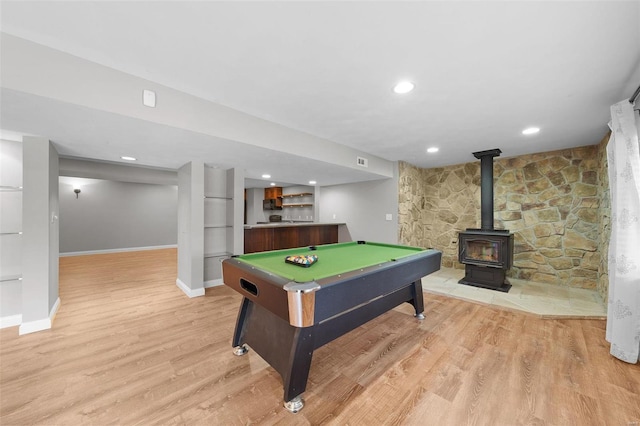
{"x":128,"y":347}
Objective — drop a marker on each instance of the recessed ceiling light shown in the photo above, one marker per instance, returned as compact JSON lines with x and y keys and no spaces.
{"x":432,"y":149}
{"x":312,"y":182}
{"x":404,"y":87}
{"x":266,"y":176}
{"x":530,"y":130}
{"x":124,"y":157}
{"x":272,"y":184}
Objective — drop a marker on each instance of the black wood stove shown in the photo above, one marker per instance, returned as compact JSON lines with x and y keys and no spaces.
{"x":487,"y":253}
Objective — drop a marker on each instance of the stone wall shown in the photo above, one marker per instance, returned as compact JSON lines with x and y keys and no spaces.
{"x":435,"y":204}
{"x":604,"y":227}
{"x":550,"y":201}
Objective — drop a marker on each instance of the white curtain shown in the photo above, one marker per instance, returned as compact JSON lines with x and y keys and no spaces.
{"x":623,"y":158}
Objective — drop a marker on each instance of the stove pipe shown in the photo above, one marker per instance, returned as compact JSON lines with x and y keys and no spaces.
{"x":486,"y":186}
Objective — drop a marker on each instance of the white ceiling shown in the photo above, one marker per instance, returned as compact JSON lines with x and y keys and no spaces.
{"x":483,"y":70}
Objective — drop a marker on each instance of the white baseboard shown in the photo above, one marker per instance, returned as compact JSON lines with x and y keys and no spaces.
{"x":120,"y":250}
{"x":39,"y":325}
{"x":188,"y":291}
{"x":213,"y":283}
{"x":10,"y":321}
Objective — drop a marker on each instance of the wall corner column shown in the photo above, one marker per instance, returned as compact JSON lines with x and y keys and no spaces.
{"x":40,"y":235}
{"x":191,"y":229}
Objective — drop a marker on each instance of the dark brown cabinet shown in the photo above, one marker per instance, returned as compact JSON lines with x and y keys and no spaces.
{"x":273,"y":192}
{"x":273,"y":198}
{"x":282,"y":237}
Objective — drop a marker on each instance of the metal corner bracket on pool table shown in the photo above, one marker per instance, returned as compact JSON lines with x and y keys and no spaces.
{"x":285,"y":321}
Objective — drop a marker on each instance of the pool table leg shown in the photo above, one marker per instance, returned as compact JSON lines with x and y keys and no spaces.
{"x":286,"y":348}
{"x":238,"y":347}
{"x":418,"y":301}
{"x":294,"y":405}
{"x":297,"y":370}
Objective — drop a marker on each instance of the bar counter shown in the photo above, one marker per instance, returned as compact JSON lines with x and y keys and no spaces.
{"x":282,"y":235}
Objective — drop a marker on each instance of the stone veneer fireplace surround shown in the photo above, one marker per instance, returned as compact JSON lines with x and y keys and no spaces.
{"x":555,"y":204}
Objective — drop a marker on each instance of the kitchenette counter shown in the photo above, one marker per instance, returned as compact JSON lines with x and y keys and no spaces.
{"x":288,"y":223}
{"x":282,"y":235}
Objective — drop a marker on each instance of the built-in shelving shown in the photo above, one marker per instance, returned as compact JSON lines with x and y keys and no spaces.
{"x":298,"y":205}
{"x":11,"y":226}
{"x":219,"y":216}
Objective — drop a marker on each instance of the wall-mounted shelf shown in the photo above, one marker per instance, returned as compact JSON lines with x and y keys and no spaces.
{"x":218,"y":254}
{"x":7,"y":188}
{"x":301,"y":194}
{"x":298,"y":200}
{"x":10,"y":278}
{"x":218,"y":211}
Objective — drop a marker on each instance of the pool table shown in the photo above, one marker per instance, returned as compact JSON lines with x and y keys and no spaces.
{"x":288,"y":310}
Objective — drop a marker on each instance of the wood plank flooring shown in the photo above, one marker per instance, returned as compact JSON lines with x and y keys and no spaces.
{"x":127,"y":347}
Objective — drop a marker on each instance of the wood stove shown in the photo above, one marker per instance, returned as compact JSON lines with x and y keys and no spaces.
{"x":487,"y":253}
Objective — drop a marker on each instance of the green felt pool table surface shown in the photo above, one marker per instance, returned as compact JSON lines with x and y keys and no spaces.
{"x":333,"y":259}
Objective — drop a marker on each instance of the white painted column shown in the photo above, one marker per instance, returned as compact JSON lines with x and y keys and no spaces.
{"x":191,"y":229}
{"x":40,"y":238}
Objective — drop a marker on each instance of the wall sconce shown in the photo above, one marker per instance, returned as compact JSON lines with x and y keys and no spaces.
{"x":77,"y":191}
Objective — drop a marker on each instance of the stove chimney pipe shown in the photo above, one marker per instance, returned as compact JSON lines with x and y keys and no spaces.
{"x":486,"y":186}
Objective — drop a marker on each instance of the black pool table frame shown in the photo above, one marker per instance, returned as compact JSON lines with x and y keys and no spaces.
{"x":284,"y":322}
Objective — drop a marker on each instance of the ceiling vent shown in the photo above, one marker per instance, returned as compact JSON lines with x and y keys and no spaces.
{"x":362,"y":162}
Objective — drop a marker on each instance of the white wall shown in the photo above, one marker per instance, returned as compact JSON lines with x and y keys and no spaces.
{"x":71,"y":79}
{"x":120,"y":207}
{"x":75,"y":167}
{"x":632,"y":83}
{"x":255,"y":213}
{"x":363,"y":207}
{"x":111,"y":215}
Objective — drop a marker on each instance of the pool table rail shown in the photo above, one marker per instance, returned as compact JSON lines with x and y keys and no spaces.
{"x":301,"y":298}
{"x":267,"y":290}
{"x":365,"y":284}
{"x":305,"y":304}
